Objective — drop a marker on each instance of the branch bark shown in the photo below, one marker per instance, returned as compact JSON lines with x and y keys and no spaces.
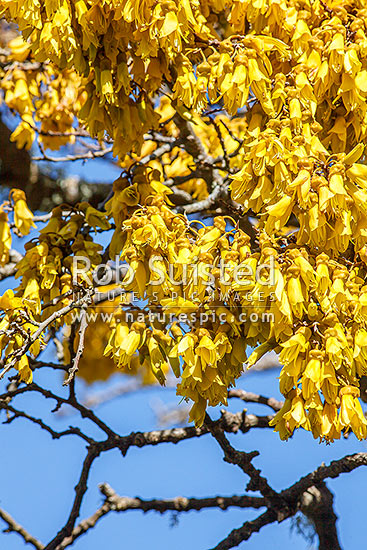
{"x":317,"y":505}
{"x":43,"y":190}
{"x":293,"y":496}
{"x":15,"y":527}
{"x":178,"y":504}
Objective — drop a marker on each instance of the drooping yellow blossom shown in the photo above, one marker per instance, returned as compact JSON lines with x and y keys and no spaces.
{"x":259,"y":104}
{"x":5,"y":238}
{"x":23,"y":217}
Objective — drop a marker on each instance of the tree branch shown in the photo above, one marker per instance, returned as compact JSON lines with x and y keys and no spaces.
{"x":250,"y":397}
{"x":72,"y":158}
{"x":117,"y":503}
{"x":178,"y":504}
{"x":293,"y":496}
{"x":14,"y":527}
{"x":94,"y":451}
{"x":54,"y":434}
{"x":317,"y":505}
{"x":229,"y":422}
{"x":79,"y":352}
{"x":237,"y":536}
{"x":243,"y":460}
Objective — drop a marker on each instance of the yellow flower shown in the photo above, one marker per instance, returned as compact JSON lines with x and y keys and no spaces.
{"x":197,"y":412}
{"x":25,"y":372}
{"x":23,"y":217}
{"x":19,"y":49}
{"x":311,"y":379}
{"x":351,"y":415}
{"x":5,"y":238}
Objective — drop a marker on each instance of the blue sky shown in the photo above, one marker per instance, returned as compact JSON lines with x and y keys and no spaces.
{"x":37,"y":474}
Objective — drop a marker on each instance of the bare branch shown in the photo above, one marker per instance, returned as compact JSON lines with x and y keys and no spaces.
{"x":248,"y":528}
{"x":334,"y":469}
{"x":159,"y":152}
{"x":317,"y":505}
{"x":293,"y":497}
{"x":54,"y":434}
{"x":178,"y":504}
{"x":84,"y":526}
{"x":84,"y":412}
{"x":71,"y":158}
{"x":229,"y":422}
{"x":220,"y":190}
{"x":250,"y":397}
{"x":243,"y":460}
{"x":117,"y":503}
{"x":14,"y":527}
{"x":79,"y":352}
{"x":93,"y":452}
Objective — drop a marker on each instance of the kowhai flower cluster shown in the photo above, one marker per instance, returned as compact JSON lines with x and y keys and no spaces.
{"x":240,"y":130}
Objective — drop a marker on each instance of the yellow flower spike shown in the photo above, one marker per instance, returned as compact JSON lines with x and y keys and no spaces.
{"x":186,"y":348}
{"x":296,"y":344}
{"x":312,"y":376}
{"x":351,"y":415}
{"x":294,"y":291}
{"x":129,"y":196}
{"x":333,"y":344}
{"x":303,"y":185}
{"x":19,"y":49}
{"x":290,"y":374}
{"x":130,"y":344}
{"x":10,"y":302}
{"x":193,"y":373}
{"x":322,"y":273}
{"x":197,"y":412}
{"x":139,"y":275}
{"x":330,"y":425}
{"x":118,"y":334}
{"x":314,"y":407}
{"x":157,"y":360}
{"x":329,"y":383}
{"x":295,"y":114}
{"x":279,"y":422}
{"x":279,"y":213}
{"x":49,"y":273}
{"x":354,"y":155}
{"x":24,"y":134}
{"x":258,"y":353}
{"x":336,"y":50}
{"x":296,"y":417}
{"x":94,"y":217}
{"x":25,"y":373}
{"x":23,"y":217}
{"x":206,"y":349}
{"x":358,"y":174}
{"x":32,"y":295}
{"x":5,"y":237}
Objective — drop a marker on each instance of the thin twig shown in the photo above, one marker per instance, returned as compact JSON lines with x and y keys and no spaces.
{"x":80,"y":490}
{"x":79,"y":352}
{"x":55,"y":435}
{"x":71,"y":158}
{"x":250,"y":397}
{"x":14,"y":527}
